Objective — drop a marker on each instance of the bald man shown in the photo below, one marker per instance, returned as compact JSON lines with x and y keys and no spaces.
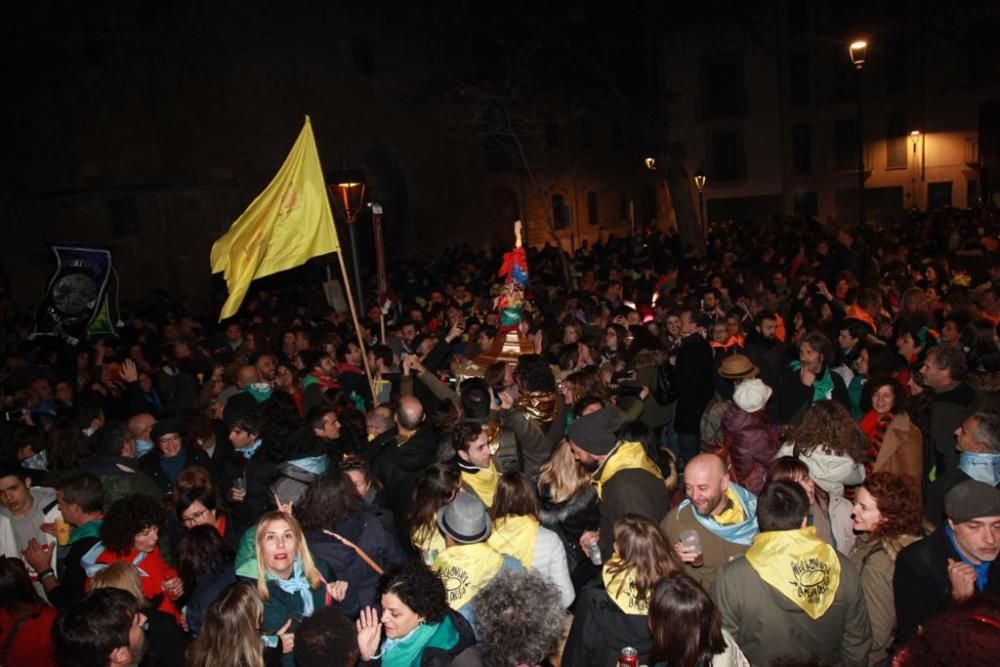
{"x":250,"y":394}
{"x":139,"y":427}
{"x":400,"y":461}
{"x":722,"y":514}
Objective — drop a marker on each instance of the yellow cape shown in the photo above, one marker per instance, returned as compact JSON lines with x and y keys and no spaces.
{"x":515,"y":536}
{"x":803,"y":568}
{"x":466,"y":569}
{"x":626,"y":456}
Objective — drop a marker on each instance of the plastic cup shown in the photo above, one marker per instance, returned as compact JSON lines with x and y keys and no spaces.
{"x":62,"y":532}
{"x":692,"y":542}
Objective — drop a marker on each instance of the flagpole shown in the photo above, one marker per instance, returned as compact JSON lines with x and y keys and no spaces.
{"x":357,"y":326}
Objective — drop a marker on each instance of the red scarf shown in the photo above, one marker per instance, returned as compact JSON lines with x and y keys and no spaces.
{"x":874,"y":426}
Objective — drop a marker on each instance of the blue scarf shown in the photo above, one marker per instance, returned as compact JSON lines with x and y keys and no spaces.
{"x":296,"y":583}
{"x":737,"y":533}
{"x":315,"y":465}
{"x":251,"y":450}
{"x":982,"y":467}
{"x":982,"y":570}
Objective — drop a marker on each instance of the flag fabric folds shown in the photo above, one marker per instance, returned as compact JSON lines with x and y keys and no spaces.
{"x":75,"y":294}
{"x":286,"y":225}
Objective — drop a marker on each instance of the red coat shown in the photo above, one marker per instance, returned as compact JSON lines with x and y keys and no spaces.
{"x":32,"y":645}
{"x":153,"y":571}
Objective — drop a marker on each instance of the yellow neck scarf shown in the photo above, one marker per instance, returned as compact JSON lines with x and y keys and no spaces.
{"x":483,"y":482}
{"x":626,"y":456}
{"x":733,"y":513}
{"x":466,"y":569}
{"x":429,"y":541}
{"x":620,"y":586}
{"x":515,"y":536}
{"x":803,"y":569}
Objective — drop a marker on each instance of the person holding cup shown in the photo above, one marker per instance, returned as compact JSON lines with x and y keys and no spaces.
{"x":721,"y":514}
{"x":246,"y":473}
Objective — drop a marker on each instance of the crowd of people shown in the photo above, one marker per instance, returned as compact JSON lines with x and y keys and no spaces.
{"x":784,"y":451}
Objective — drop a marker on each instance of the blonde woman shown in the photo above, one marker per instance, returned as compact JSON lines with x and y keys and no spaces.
{"x":291,"y":584}
{"x":231,"y":633}
{"x":163,"y":636}
{"x":569,"y":507}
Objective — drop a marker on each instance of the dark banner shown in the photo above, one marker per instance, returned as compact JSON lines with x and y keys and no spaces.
{"x":76,"y":292}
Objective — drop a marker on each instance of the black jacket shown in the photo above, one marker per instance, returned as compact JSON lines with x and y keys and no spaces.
{"x":600,"y":630}
{"x":369,"y":534}
{"x":398,"y":467}
{"x":257,"y":472}
{"x":794,"y":397}
{"x":921,"y":585}
{"x":72,"y":577}
{"x":695,"y":364}
{"x":193,"y":456}
{"x":768,"y":355}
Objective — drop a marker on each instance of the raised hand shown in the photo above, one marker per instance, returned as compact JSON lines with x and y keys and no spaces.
{"x":369,"y":633}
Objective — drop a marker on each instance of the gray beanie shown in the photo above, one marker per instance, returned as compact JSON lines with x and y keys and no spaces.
{"x":971,"y":500}
{"x":595,"y":432}
{"x":465,"y":519}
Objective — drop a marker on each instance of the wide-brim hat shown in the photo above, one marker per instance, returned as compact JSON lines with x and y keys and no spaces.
{"x":465,"y":519}
{"x":738,"y":367}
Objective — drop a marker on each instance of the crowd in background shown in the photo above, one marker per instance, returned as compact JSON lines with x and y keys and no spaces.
{"x":784,"y":450}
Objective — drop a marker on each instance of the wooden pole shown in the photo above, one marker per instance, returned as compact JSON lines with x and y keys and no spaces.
{"x":357,"y":327}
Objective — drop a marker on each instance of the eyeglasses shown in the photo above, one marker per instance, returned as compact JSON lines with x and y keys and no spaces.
{"x":353,"y":464}
{"x":194,"y":519}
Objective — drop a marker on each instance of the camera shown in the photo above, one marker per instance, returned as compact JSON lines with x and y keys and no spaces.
{"x":14,"y":414}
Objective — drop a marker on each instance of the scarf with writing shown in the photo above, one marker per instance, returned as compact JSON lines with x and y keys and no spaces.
{"x":515,"y":536}
{"x":737,"y":523}
{"x":619,"y":582}
{"x":466,"y":569}
{"x":799,"y":565}
{"x":625,"y":456}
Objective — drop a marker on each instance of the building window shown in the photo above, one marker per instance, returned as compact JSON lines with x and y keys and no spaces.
{"x":551,"y":134}
{"x":798,"y":15}
{"x":560,"y":212}
{"x":586,"y":136}
{"x":722,"y":91}
{"x":806,"y":204}
{"x":592,"y":217}
{"x":896,"y":65}
{"x":895,"y":141}
{"x":845,"y":142}
{"x":798,"y":80}
{"x":938,"y":195}
{"x":617,"y":136}
{"x":972,"y":195}
{"x":802,"y":149}
{"x":727,"y":157}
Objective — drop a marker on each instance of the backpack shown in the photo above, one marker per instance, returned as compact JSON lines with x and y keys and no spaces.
{"x":665,"y":390}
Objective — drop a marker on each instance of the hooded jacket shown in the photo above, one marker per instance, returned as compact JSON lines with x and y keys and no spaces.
{"x":767,"y":625}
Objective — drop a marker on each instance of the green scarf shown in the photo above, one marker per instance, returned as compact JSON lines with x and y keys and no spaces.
{"x":822,"y":385}
{"x":89,"y":529}
{"x":407,"y":651}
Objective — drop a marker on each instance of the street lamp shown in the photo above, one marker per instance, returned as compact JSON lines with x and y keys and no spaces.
{"x":914,"y":139}
{"x":858,"y":50}
{"x":650,"y":163}
{"x":699,"y":182}
{"x":348,"y":189}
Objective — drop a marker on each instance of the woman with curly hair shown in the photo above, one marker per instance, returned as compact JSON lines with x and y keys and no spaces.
{"x":437,"y":486}
{"x":887,"y":514}
{"x":420,"y":629}
{"x":834,"y":449}
{"x":611,"y":611}
{"x":130,"y":532}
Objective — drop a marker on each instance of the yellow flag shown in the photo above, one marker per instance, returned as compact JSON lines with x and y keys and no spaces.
{"x":286,"y":225}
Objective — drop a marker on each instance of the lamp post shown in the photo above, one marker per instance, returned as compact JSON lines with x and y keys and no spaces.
{"x":699,"y":182}
{"x":858,"y":50}
{"x":348,"y":188}
{"x":914,"y":139}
